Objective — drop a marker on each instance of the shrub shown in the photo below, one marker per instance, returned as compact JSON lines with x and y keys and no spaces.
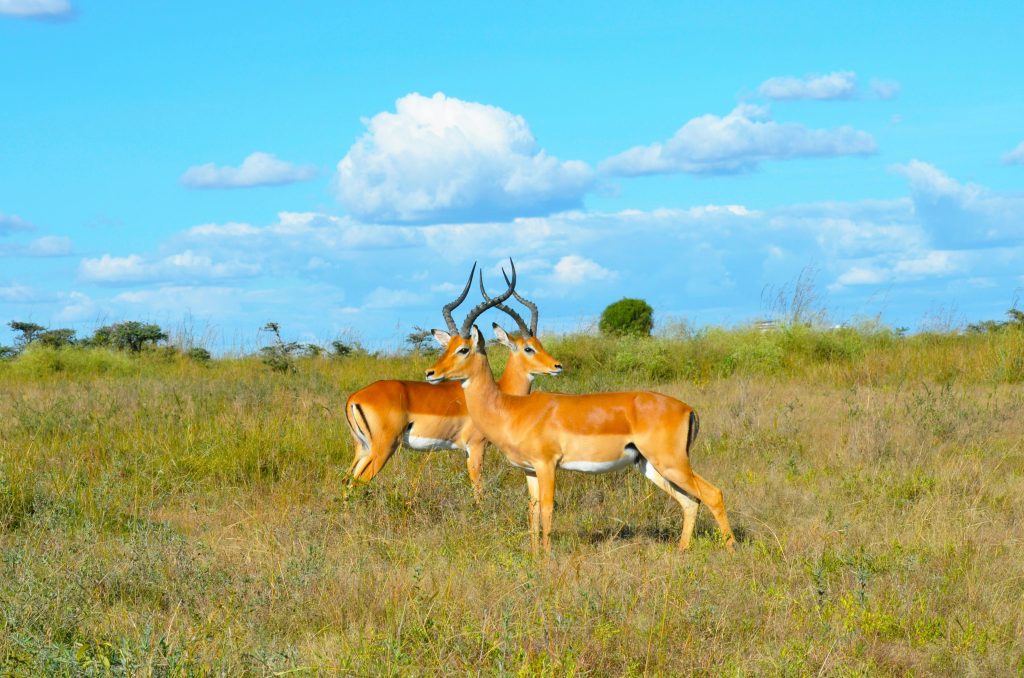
{"x":199,"y":355}
{"x":627,"y":316}
{"x":131,"y":335}
{"x":56,"y":338}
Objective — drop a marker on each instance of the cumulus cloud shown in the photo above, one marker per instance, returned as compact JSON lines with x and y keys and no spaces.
{"x":959,"y":215}
{"x":186,"y":265}
{"x":576,"y":270}
{"x":836,"y":85}
{"x":9,"y":223}
{"x":36,"y":9}
{"x":440,"y":159}
{"x":384,"y":297}
{"x":737,"y":142}
{"x":258,"y":169}
{"x":1016,"y":156}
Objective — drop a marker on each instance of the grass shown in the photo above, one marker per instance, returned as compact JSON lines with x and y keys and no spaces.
{"x":160,"y":516}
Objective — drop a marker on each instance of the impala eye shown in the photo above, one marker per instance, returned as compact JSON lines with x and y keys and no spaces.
{"x":463,"y":351}
{"x":529,"y":350}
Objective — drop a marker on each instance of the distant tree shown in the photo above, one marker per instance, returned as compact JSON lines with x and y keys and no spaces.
{"x":28,"y":331}
{"x":8,"y":352}
{"x":627,"y":316}
{"x":1015,"y":322}
{"x":339,"y":349}
{"x":56,"y":338}
{"x":420,"y":340}
{"x":280,"y":355}
{"x":130,"y":335}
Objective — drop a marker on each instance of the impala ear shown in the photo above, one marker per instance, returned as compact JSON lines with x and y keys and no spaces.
{"x":502,"y":336}
{"x":442,"y":337}
{"x":476,"y":338}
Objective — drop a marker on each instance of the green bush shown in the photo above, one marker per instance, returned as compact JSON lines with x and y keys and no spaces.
{"x":199,"y":354}
{"x":627,"y":316}
{"x":130,"y":335}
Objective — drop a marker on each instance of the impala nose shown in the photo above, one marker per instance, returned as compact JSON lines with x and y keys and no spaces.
{"x":430,"y":373}
{"x":558,"y":366}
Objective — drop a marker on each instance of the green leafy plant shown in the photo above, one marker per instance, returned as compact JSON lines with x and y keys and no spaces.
{"x":627,"y":316}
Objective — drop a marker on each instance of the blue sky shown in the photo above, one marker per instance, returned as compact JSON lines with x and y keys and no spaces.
{"x":337,"y":167}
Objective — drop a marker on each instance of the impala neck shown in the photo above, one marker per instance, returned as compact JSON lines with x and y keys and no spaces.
{"x":483,"y":397}
{"x":515,"y":379}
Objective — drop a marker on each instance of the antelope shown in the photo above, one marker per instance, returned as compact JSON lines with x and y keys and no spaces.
{"x":593,"y":433}
{"x":423,"y":416}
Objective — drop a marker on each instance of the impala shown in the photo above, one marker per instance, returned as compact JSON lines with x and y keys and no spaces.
{"x":423,"y":416}
{"x":594,"y":433}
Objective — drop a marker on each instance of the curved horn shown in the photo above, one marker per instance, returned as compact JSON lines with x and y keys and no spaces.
{"x":523,"y":327}
{"x":534,"y":313}
{"x":467,"y":324}
{"x":447,"y":309}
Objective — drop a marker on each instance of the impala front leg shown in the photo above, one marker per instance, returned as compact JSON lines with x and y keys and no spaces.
{"x":546,"y":485}
{"x":474,"y":465}
{"x":534,"y":511}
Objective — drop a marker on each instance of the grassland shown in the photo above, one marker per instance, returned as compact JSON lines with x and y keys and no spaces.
{"x":164,"y":517}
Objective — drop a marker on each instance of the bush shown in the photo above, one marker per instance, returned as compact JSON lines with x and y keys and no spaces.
{"x":130,"y":335}
{"x":199,"y":355}
{"x":627,"y":316}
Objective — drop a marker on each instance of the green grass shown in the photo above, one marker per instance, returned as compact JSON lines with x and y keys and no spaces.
{"x":160,"y":516}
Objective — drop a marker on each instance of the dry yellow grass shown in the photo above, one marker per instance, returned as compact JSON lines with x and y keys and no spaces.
{"x":164,"y":518}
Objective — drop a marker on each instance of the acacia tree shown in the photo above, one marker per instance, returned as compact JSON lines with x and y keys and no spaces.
{"x":130,"y":335}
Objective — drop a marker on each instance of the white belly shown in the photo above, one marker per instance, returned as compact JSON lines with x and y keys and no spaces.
{"x":419,"y":443}
{"x":629,"y":456}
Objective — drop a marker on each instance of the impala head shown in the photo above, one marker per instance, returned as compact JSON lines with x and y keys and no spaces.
{"x":463,"y":347}
{"x":527,"y":354}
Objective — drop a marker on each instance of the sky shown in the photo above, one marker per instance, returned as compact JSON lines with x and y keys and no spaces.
{"x":337,"y":167}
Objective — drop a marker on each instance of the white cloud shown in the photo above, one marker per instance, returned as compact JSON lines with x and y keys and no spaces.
{"x":959,"y":215}
{"x":837,"y":85}
{"x":736,"y":143}
{"x":48,"y":246}
{"x":1016,"y":156}
{"x":77,"y":307}
{"x":258,"y":169}
{"x":185,"y":265}
{"x":383,"y":297}
{"x":10,"y":223}
{"x":576,"y":270}
{"x":38,"y":9}
{"x":885,"y":89}
{"x":18,"y":293}
{"x":440,"y":159}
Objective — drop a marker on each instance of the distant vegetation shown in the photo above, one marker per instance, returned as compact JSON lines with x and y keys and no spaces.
{"x":633,"y":317}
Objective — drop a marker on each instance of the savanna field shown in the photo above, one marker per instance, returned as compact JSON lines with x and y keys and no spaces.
{"x":162,"y":515}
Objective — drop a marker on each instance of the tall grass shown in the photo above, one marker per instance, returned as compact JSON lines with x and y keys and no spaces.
{"x":163,"y":516}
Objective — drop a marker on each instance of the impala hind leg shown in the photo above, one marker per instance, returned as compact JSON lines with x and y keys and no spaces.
{"x":689,"y":505}
{"x":693,"y":484}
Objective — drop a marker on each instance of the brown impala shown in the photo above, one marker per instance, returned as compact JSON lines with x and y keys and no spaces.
{"x":426,"y":416}
{"x":594,"y":433}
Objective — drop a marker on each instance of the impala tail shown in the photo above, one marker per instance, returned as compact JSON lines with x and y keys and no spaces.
{"x":694,"y":430}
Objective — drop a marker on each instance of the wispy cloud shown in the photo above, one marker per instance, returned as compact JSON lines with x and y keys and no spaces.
{"x":180,"y":267}
{"x":37,"y":9}
{"x":737,"y":142}
{"x":836,"y":85}
{"x":1016,"y":156}
{"x":258,"y":169}
{"x":440,"y":159}
{"x":885,"y":89}
{"x":9,"y":223}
